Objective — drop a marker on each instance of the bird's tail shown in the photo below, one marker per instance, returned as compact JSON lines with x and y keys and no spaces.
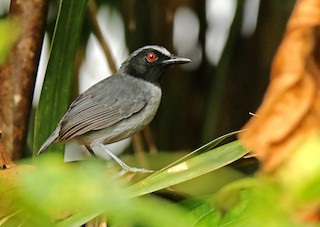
{"x":49,"y":141}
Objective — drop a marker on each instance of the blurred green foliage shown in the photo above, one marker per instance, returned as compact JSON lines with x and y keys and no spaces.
{"x":7,"y":26}
{"x":52,"y":193}
{"x":70,"y":194}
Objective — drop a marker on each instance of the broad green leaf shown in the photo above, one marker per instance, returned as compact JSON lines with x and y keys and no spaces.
{"x":189,"y":169}
{"x":208,"y":183}
{"x":55,"y":93}
{"x":203,"y":211}
{"x":233,"y":199}
{"x":202,"y":149}
{"x":262,"y":204}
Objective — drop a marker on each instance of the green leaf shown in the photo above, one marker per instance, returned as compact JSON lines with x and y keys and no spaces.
{"x":71,"y":194}
{"x":208,"y":183}
{"x":260,"y":204}
{"x":203,"y":211}
{"x":189,"y":169}
{"x":304,"y":164}
{"x":54,"y":99}
{"x":144,"y":211}
{"x":202,"y":149}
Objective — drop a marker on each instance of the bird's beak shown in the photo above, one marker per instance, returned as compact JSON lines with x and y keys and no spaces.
{"x":176,"y":60}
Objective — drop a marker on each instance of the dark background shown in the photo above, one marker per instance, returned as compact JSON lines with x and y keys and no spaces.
{"x":209,"y":100}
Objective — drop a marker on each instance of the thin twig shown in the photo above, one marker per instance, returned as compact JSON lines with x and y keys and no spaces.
{"x":92,"y":10}
{"x":139,"y":151}
{"x":18,"y":72}
{"x":149,"y":140}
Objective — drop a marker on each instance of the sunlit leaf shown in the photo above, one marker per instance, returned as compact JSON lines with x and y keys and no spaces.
{"x":190,"y":168}
{"x":307,"y":158}
{"x":202,"y":149}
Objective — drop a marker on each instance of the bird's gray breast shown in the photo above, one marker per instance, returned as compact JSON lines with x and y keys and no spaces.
{"x":135,"y":122}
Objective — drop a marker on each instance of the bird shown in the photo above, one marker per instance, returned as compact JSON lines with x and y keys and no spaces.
{"x":118,"y":106}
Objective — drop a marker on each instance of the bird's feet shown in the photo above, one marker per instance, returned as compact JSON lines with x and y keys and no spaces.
{"x":124,"y":166}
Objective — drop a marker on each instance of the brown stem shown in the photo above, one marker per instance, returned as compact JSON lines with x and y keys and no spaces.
{"x":19,"y":72}
{"x":92,"y":9}
{"x":149,"y":140}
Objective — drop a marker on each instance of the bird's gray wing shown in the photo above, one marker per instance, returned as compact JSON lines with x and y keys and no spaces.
{"x":98,"y":108}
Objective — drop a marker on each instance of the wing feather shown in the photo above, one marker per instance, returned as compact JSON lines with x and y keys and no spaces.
{"x":94,"y":111}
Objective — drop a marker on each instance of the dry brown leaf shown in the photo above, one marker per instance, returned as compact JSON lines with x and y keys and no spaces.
{"x":290,"y":112}
{"x":310,"y":213}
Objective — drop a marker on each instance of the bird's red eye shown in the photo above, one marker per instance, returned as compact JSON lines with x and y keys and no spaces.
{"x":151,"y":57}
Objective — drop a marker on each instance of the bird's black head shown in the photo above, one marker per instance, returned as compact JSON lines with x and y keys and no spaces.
{"x":150,"y":63}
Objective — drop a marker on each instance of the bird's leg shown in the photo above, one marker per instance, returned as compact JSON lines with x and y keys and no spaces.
{"x":125,"y":167}
{"x":90,"y":150}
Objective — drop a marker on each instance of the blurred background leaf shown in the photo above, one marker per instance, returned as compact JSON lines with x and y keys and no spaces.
{"x":60,"y":70}
{"x":7,"y":26}
{"x":53,"y":191}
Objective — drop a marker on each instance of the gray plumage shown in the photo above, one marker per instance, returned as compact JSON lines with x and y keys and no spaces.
{"x":118,"y":106}
{"x":93,"y":111}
